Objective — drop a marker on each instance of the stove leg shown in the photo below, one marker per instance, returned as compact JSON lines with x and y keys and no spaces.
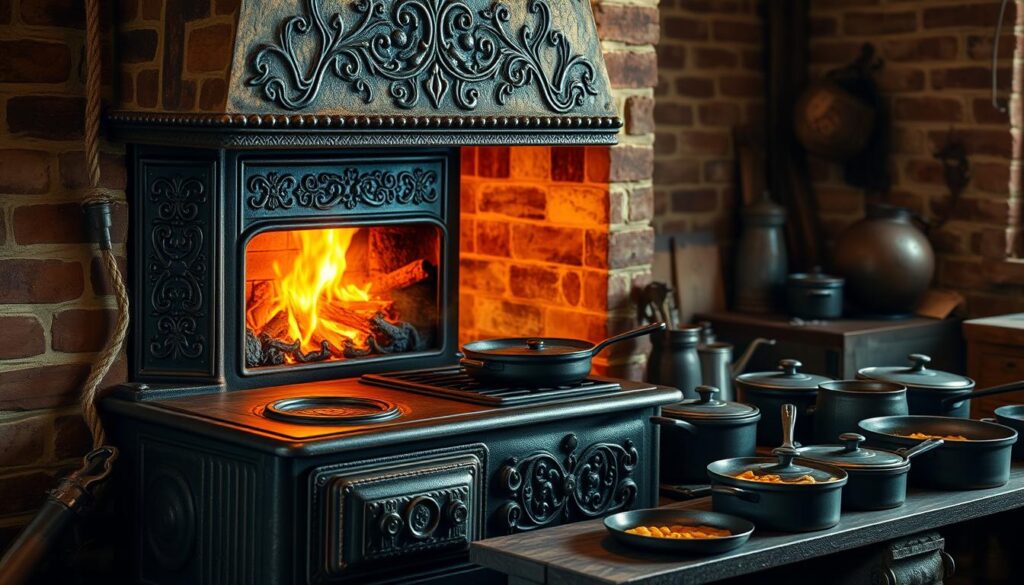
{"x":914,"y":560}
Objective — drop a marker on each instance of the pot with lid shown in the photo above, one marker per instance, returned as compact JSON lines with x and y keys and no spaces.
{"x":927,"y":389}
{"x":814,"y":295}
{"x":768,"y":391}
{"x":699,"y":431}
{"x":877,"y":478}
{"x":841,"y":404}
{"x":785,"y":492}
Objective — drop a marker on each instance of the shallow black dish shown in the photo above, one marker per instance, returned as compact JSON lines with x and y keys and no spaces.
{"x":618,"y":524}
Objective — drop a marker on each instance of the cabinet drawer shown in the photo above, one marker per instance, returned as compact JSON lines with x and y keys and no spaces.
{"x":1000,"y":368}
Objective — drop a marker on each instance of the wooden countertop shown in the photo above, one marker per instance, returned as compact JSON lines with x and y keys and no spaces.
{"x":585,"y":553}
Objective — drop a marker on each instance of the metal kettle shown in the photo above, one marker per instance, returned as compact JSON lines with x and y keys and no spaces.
{"x":717,"y":368}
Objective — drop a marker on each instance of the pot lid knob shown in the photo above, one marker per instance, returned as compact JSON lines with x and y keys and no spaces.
{"x":535,"y":344}
{"x":789,"y":366}
{"x":851,"y":442}
{"x":786,"y":456}
{"x":919,"y":360}
{"x":707,"y":394}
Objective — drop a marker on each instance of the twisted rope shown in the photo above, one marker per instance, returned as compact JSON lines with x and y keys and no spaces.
{"x":94,"y":194}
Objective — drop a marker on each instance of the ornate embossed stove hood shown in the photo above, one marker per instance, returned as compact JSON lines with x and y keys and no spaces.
{"x":371,"y":73}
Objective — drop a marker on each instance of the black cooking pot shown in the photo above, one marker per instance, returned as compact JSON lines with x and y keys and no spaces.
{"x":928,"y":390}
{"x":703,"y":430}
{"x":791,"y":507}
{"x":814,"y":295}
{"x":1012,"y":415}
{"x":878,"y":479}
{"x":537,"y":361}
{"x":957,"y":402}
{"x":841,"y":404}
{"x":982,"y":461}
{"x":768,"y":391}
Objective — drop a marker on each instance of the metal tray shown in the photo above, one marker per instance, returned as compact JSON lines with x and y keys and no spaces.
{"x":741,"y":529}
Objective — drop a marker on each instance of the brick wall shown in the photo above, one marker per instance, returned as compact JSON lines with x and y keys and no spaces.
{"x":937,"y":76}
{"x":54,"y":303}
{"x":709,"y":80}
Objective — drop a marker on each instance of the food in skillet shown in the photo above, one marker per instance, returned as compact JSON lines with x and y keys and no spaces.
{"x":923,"y":436}
{"x":679,"y":531}
{"x":772,"y":478}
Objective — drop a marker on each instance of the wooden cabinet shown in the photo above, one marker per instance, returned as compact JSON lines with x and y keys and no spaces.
{"x":995,"y":355}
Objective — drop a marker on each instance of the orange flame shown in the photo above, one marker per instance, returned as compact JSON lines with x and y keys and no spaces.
{"x":317,"y":281}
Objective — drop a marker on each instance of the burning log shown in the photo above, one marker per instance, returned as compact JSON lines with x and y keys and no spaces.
{"x":277,"y":326}
{"x":346,"y":317}
{"x":259,"y":303}
{"x":408,"y":275}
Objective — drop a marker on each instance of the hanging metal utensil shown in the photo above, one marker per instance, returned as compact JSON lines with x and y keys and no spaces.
{"x":73,"y":493}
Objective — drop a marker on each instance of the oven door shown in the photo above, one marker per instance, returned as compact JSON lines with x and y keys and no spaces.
{"x":408,"y":510}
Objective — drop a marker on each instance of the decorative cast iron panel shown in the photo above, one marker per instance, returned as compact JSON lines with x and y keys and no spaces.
{"x":340,"y":187}
{"x":545,"y":489}
{"x":177,"y":251}
{"x":444,"y":50}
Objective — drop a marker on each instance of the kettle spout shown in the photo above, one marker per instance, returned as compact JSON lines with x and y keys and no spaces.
{"x":741,"y":364}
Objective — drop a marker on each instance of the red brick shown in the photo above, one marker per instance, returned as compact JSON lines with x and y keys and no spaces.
{"x":213,"y":95}
{"x":492,"y":238}
{"x":665,"y":143}
{"x":699,"y":87}
{"x":694,"y":200}
{"x":979,"y":47}
{"x":51,"y":117}
{"x":126,"y":88}
{"x":823,"y":26}
{"x":503,"y":318}
{"x":467,"y":235}
{"x":942,"y":48}
{"x":714,"y":58}
{"x":753,"y":60}
{"x":578,"y":205}
{"x":34,"y":62}
{"x":137,"y":46}
{"x":949,"y":241}
{"x":24,"y":492}
{"x":991,"y":177}
{"x":617,"y":206}
{"x":568,"y":163}
{"x":897,"y":80}
{"x":493,"y":161}
{"x":671,"y":57}
{"x":925,"y":171}
{"x":596,"y":249}
{"x":533,"y":282}
{"x":639,"y":115}
{"x":737,"y":32}
{"x":73,"y":174}
{"x":572,"y":288}
{"x":598,"y":163}
{"x":965,"y":15}
{"x":631,"y":163}
{"x":147,"y":88}
{"x":993,"y":243}
{"x":718,"y":171}
{"x":81,"y":330}
{"x":675,"y":114}
{"x":631,"y":69}
{"x":637,"y":25}
{"x":549,"y":244}
{"x":630,"y":248}
{"x":928,"y":109}
{"x":485,"y":276}
{"x":641,"y":204}
{"x":46,"y":386}
{"x":674,"y":171}
{"x":834,"y":52}
{"x":698,"y":142}
{"x":684,"y":28}
{"x":24,"y":441}
{"x":467,"y":155}
{"x":879,"y":23}
{"x":24,"y":171}
{"x":60,"y":224}
{"x":66,"y":13}
{"x":985,"y":113}
{"x":209,"y":48}
{"x":39,"y":281}
{"x":741,"y":86}
{"x":72,"y":437}
{"x":22,"y":337}
{"x":595,"y":290}
{"x":514,"y":200}
{"x":530,"y":162}
{"x":977,"y":141}
{"x":720,"y":114}
{"x":972,"y":77}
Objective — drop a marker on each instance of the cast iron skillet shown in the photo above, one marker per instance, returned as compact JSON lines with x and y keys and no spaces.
{"x":538,"y":361}
{"x":741,"y":529}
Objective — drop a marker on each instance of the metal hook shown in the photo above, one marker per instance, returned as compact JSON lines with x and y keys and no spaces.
{"x":995,"y":60}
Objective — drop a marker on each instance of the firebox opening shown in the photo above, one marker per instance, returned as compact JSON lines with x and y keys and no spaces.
{"x":341,"y":293}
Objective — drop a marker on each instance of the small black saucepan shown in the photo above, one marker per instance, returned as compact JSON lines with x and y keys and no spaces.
{"x":878,"y":479}
{"x":740,"y":529}
{"x":786,"y":506}
{"x":981,"y":461}
{"x":538,"y":361}
{"x":1012,"y":415}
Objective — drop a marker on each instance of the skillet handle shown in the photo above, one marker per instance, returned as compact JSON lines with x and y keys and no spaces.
{"x":645,"y":330}
{"x":471,"y":364}
{"x":1002,"y":389}
{"x":674,"y":422}
{"x":746,"y":495}
{"x":922,"y":447}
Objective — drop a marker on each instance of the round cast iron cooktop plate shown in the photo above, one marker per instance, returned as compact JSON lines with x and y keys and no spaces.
{"x":347,"y":410}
